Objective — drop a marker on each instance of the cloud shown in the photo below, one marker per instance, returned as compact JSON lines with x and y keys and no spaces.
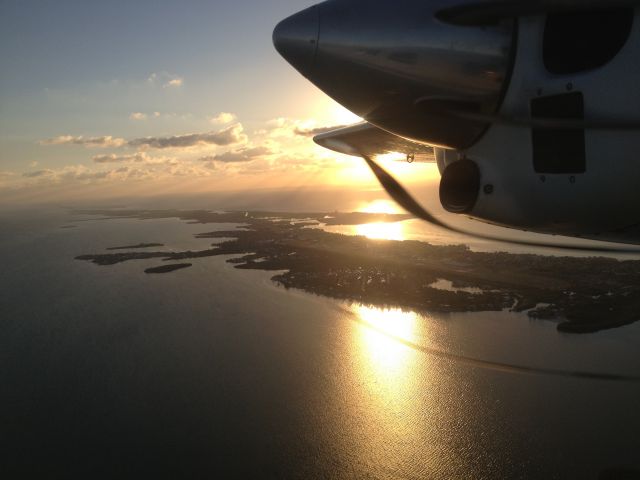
{"x":233,"y":134}
{"x":166,"y":79}
{"x":279,"y":127}
{"x":81,"y":173}
{"x":90,"y":142}
{"x":289,"y":128}
{"x":141,"y":116}
{"x":71,"y":172}
{"x":39,"y":173}
{"x":228,"y":136}
{"x":312,"y":132}
{"x":137,"y":157}
{"x":208,"y":158}
{"x":238,"y":156}
{"x":138,"y":116}
{"x":134,"y":171}
{"x":210,"y":165}
{"x":223,"y":118}
{"x":174,"y":82}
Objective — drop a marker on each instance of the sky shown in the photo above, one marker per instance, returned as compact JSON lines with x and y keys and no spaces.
{"x":103,"y":99}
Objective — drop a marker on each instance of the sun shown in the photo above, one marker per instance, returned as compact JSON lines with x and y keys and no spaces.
{"x":330,"y":112}
{"x":343,"y":116}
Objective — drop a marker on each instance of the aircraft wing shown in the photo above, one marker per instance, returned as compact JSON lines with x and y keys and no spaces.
{"x":366,"y":139}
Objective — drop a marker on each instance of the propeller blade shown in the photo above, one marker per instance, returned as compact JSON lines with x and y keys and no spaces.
{"x":398,"y":193}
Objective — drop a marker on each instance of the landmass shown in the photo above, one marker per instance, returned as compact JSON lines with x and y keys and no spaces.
{"x":582,"y":294}
{"x":168,"y":268}
{"x":139,"y":245}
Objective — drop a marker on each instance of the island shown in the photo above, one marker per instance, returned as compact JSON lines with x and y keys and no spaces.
{"x":139,"y":245}
{"x":581,"y":294}
{"x":168,"y":268}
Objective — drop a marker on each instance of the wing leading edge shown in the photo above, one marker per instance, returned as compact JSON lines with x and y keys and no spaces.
{"x":368,"y":140}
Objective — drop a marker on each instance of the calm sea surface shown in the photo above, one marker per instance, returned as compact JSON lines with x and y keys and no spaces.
{"x":213,"y":372}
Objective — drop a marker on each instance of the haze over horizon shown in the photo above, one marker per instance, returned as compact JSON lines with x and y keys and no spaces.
{"x":111,"y":100}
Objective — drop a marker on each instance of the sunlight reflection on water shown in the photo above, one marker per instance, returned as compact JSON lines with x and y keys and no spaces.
{"x":381,"y":231}
{"x":388,"y":357}
{"x":284,"y":381}
{"x":388,"y":374}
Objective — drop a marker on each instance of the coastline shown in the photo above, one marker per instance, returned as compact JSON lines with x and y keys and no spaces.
{"x":583,"y":295}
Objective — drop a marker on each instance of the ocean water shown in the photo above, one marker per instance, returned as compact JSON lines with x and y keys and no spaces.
{"x":214,"y":372}
{"x":415,"y":229}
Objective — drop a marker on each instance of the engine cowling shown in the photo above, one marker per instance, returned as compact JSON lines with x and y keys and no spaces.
{"x":504,"y":160}
{"x":395,"y":64}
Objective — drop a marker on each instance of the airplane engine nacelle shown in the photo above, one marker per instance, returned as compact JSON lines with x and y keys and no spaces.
{"x":579,"y":181}
{"x":534,"y":107}
{"x":394,"y":64}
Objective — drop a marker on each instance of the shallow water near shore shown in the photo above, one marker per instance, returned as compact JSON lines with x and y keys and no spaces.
{"x":211,"y":370}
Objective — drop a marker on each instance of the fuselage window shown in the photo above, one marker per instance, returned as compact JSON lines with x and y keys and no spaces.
{"x":579,"y":41}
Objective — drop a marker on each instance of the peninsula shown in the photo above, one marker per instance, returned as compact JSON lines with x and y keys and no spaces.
{"x":581,"y":294}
